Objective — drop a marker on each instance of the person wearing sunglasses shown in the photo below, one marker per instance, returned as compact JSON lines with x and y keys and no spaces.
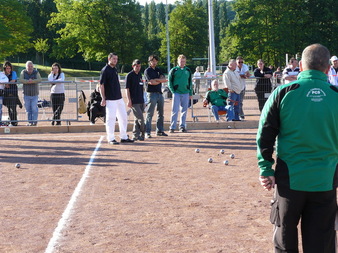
{"x":243,"y":71}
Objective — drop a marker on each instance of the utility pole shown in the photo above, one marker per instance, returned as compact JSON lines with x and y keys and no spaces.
{"x":212,"y":58}
{"x":167,"y":32}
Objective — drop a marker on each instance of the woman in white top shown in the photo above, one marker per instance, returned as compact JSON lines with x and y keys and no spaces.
{"x":57,"y":92}
{"x":3,"y":79}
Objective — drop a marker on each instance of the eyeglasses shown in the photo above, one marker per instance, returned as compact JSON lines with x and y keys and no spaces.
{"x":240,"y":62}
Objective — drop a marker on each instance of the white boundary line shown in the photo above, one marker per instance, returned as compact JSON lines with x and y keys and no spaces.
{"x":67,"y":212}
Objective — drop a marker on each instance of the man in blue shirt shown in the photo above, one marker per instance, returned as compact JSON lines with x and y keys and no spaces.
{"x":112,"y":99}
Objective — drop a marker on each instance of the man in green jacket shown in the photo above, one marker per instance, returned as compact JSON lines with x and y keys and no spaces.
{"x":180,"y":84}
{"x":303,"y":117}
{"x":218,"y":100}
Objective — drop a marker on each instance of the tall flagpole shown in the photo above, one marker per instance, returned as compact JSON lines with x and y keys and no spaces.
{"x":212,"y":58}
{"x":167,"y":31}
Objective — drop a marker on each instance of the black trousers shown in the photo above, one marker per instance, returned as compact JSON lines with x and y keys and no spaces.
{"x":317,"y":212}
{"x":96,"y":111}
{"x":58,"y":101}
{"x":261,"y":90}
{"x":11,"y":103}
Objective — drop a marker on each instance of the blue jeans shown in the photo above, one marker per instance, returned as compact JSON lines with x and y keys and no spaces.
{"x":155,"y":98}
{"x":179,"y":100}
{"x":215,"y":109}
{"x":31,"y":105}
{"x":241,"y":112}
{"x":234,"y":97}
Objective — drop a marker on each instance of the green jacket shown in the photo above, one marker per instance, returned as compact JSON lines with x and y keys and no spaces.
{"x":180,"y":80}
{"x":303,"y":117}
{"x":218,"y":98}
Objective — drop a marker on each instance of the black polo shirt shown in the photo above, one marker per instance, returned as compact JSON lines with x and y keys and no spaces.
{"x":135,"y":85}
{"x":151,"y":73}
{"x":110,"y":79}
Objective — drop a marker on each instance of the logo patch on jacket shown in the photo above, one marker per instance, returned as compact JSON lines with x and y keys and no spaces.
{"x":316,"y":94}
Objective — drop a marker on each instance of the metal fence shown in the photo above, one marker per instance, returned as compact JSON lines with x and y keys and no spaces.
{"x":45,"y":107}
{"x":70,"y":112}
{"x":257,"y":92}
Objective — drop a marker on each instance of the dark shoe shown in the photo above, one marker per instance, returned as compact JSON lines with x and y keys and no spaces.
{"x":183,"y":130}
{"x":141,"y":138}
{"x":114,"y":142}
{"x":148,"y":136}
{"x":53,"y":122}
{"x":236,"y":120}
{"x":58,"y":123}
{"x":161,"y":134}
{"x":127,"y":141}
{"x":171,"y":131}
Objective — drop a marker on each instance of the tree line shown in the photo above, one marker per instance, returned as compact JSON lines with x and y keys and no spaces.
{"x":81,"y":33}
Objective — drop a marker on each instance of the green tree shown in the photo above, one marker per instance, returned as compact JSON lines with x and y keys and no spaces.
{"x":161,"y":13}
{"x":41,"y":46}
{"x":188,"y":31}
{"x":259,"y":31}
{"x":15,"y":28}
{"x":96,"y":27}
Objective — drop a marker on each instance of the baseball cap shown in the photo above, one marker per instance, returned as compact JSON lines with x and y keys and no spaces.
{"x":137,"y":61}
{"x":334,"y":58}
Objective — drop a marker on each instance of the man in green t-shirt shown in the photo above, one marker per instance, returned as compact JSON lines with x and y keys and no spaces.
{"x":218,"y":100}
{"x":180,"y":84}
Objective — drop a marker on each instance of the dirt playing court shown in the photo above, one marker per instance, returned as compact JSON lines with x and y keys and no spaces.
{"x":152,"y":196}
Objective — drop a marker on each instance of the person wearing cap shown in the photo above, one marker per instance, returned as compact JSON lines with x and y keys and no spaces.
{"x":290,"y":74}
{"x":333,"y":72}
{"x":110,"y":90}
{"x":134,"y":92}
{"x":154,"y":77}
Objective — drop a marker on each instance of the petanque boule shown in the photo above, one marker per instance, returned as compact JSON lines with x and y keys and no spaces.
{"x":226,"y":162}
{"x":222,"y":151}
{"x":197,"y":150}
{"x":17,"y":165}
{"x":210,"y":160}
{"x":232,"y":156}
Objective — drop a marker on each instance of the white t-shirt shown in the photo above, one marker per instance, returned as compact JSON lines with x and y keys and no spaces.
{"x":3,"y":79}
{"x":333,"y":76}
{"x":242,"y":71}
{"x":58,"y":87}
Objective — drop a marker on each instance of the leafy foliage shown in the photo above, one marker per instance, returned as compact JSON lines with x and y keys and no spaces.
{"x":188,"y":31}
{"x":15,"y":28}
{"x":269,"y":31}
{"x":97,"y":27}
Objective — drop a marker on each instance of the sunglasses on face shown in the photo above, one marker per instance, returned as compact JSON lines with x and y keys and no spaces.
{"x":240,"y":62}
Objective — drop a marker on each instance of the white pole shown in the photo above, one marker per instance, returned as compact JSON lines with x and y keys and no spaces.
{"x":167,"y":31}
{"x":212,"y":58}
{"x":286,"y":59}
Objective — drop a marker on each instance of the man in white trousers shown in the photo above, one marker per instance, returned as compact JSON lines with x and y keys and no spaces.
{"x":110,"y":90}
